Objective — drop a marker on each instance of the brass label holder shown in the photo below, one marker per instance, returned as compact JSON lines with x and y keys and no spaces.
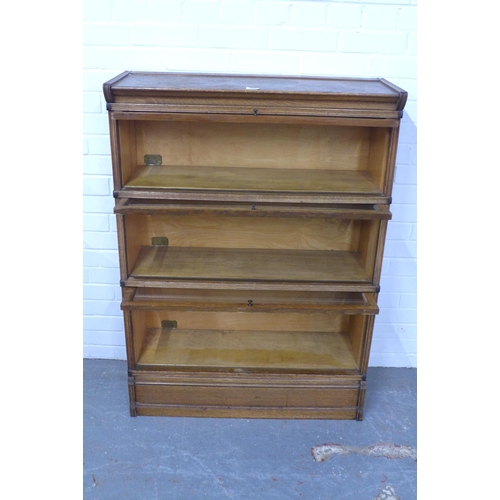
{"x":169,"y":324}
{"x":152,"y":160}
{"x":159,"y":241}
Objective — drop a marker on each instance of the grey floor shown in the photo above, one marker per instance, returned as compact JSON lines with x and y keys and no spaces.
{"x":189,"y":458}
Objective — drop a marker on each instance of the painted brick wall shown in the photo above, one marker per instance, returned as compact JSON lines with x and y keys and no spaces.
{"x":373,"y":38}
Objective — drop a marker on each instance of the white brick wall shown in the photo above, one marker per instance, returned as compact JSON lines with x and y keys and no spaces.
{"x":372,"y":38}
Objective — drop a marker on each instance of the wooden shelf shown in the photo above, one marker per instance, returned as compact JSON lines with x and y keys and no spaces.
{"x":207,"y":350}
{"x":264,"y":265}
{"x":248,"y":301}
{"x":240,"y":180}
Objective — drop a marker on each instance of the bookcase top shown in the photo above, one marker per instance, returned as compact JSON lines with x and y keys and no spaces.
{"x":135,"y":84}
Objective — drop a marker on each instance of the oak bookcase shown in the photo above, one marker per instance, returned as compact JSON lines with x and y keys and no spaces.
{"x":251,"y":220}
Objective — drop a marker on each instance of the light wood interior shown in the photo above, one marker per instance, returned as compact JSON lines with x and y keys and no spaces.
{"x":246,"y":350}
{"x":128,"y":148}
{"x":368,"y":248}
{"x":357,"y":335}
{"x":245,"y":156}
{"x":266,"y":334}
{"x":251,"y":248}
{"x":272,"y":180}
{"x":249,"y":265}
{"x":211,"y":340}
{"x":254,"y":145}
{"x":378,"y":157}
{"x":215,"y":320}
{"x":247,"y":232}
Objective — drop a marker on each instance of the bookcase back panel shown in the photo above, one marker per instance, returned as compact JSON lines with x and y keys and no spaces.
{"x":245,"y":232}
{"x":208,"y":320}
{"x":254,"y":145}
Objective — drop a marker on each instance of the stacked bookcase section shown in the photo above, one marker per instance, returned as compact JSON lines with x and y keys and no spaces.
{"x":251,"y":219}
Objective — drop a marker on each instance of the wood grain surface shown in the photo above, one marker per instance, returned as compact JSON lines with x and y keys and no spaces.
{"x":252,"y":179}
{"x":210,"y":349}
{"x":254,"y":301}
{"x":249,"y":264}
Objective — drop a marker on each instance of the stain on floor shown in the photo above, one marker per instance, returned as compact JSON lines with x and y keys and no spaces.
{"x":387,"y":492}
{"x":324,"y":452}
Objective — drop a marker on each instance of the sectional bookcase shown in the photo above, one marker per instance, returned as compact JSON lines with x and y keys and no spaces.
{"x":251,"y":220}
